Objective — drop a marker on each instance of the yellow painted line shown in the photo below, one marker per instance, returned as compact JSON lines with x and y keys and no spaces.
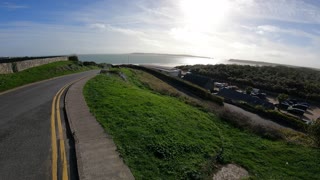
{"x":54,"y":134}
{"x":61,"y":139}
{"x":55,"y":113}
{"x":54,"y":142}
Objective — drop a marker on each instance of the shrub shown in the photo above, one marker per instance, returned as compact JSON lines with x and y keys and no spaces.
{"x":275,"y":116}
{"x":314,"y":132}
{"x":89,"y":63}
{"x":104,"y":65}
{"x":282,"y":97}
{"x":73,"y":58}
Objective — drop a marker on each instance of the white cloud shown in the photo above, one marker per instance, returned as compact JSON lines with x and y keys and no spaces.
{"x":98,"y":26}
{"x":107,"y":27}
{"x":268,"y":28}
{"x":263,"y":29}
{"x":284,"y":10}
{"x":159,"y":28}
{"x":125,"y":31}
{"x":12,"y":6}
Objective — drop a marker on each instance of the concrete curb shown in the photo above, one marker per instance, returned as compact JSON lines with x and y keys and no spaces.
{"x":96,"y":153}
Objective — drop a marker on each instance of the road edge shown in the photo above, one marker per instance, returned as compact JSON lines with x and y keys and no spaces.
{"x":37,"y":82}
{"x":111,"y":165}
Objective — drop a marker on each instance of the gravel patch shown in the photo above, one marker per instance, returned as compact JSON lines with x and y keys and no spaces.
{"x":231,"y":172}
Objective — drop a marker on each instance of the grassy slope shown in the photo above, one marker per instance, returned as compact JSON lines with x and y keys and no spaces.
{"x":9,"y":81}
{"x":161,"y":137}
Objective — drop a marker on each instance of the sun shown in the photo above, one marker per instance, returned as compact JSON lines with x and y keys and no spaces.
{"x":203,"y":15}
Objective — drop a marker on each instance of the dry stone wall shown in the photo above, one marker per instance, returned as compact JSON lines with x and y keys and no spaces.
{"x":22,"y":65}
{"x":7,"y":68}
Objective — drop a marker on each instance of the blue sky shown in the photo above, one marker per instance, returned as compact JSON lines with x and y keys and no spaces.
{"x":281,"y":31}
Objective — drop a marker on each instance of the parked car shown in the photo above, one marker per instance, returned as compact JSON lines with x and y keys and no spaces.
{"x":283,"y":105}
{"x":296,"y":111}
{"x":300,"y":106}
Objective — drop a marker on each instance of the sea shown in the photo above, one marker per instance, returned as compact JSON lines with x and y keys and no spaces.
{"x":150,"y":59}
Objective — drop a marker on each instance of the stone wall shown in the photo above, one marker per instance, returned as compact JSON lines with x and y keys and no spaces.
{"x":6,"y":68}
{"x":22,"y":65}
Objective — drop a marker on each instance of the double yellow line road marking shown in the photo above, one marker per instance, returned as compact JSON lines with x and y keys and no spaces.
{"x":56,"y":116}
{"x":56,"y":119}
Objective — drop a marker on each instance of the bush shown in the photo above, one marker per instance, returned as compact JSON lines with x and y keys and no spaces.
{"x":73,"y":58}
{"x":282,"y":97}
{"x":314,"y":132}
{"x":275,"y":116}
{"x":89,"y":63}
{"x":104,"y":65}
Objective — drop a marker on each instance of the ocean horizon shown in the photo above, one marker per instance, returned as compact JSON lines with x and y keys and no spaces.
{"x":150,"y":59}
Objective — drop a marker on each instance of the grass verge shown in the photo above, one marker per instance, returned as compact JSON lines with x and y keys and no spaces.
{"x":9,"y":81}
{"x":161,"y":137}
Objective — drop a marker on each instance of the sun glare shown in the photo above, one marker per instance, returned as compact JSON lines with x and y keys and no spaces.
{"x":204,"y":15}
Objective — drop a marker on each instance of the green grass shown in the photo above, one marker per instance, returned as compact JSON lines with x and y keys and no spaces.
{"x":161,"y":137}
{"x":9,"y":81}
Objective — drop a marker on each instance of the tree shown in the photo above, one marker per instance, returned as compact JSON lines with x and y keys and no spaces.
{"x":282,"y":97}
{"x":249,"y":90}
{"x":296,"y":82}
{"x":314,"y":132}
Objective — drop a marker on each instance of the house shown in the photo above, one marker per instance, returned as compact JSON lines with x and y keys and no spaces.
{"x":232,"y":95}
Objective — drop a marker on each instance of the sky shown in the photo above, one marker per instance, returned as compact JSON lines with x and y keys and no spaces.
{"x":278,"y":31}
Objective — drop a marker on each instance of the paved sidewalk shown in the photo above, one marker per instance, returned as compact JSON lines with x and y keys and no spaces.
{"x":96,"y":153}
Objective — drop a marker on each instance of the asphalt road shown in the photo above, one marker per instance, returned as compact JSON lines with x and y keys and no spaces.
{"x":25,"y":131}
